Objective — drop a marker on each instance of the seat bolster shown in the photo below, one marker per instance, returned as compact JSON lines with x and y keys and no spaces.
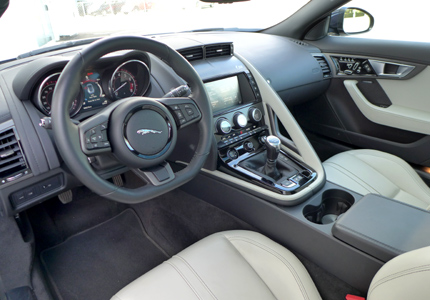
{"x":226,"y":265}
{"x":406,"y":276}
{"x":371,"y":171}
{"x":280,"y":269}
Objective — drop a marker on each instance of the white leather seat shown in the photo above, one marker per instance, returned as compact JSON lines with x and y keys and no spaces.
{"x":247,"y":265}
{"x":406,"y":276}
{"x":226,"y":265}
{"x":371,"y":171}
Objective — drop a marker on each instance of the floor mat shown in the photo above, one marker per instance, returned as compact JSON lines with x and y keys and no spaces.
{"x":98,"y":262}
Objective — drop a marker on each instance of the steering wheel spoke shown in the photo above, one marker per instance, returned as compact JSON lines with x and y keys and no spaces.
{"x":184,"y":110}
{"x":93,"y":134}
{"x":156,"y":175}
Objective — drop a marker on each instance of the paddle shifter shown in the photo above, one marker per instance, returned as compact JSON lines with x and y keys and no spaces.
{"x":273,"y":146}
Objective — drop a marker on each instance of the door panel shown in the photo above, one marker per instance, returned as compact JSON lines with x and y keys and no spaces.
{"x":384,"y":112}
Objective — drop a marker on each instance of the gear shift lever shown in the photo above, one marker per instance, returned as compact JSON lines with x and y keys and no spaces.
{"x":273,"y":146}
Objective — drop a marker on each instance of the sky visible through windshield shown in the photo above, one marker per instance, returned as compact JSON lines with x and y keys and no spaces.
{"x":31,"y":24}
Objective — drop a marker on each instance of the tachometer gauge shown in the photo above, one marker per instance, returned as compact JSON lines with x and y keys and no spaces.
{"x":129,"y":79}
{"x":46,"y":92}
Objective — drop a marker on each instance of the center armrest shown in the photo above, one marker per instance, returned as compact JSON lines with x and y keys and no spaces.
{"x":383,"y":227}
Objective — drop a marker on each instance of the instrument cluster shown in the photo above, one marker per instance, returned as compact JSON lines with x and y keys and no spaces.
{"x":100,"y":85}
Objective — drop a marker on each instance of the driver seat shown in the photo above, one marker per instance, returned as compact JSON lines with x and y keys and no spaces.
{"x":247,"y":265}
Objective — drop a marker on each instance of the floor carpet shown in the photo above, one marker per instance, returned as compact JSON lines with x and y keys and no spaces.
{"x":98,"y":262}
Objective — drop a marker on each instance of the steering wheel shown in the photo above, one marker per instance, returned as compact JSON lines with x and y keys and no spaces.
{"x":140,"y":132}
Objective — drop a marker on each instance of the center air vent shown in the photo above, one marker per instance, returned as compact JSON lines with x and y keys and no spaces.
{"x":219,"y":50}
{"x":325,"y":68}
{"x":12,"y":160}
{"x":191,"y":54}
{"x":208,"y":51}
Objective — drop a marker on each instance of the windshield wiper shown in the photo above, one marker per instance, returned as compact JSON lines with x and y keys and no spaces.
{"x":57,"y":47}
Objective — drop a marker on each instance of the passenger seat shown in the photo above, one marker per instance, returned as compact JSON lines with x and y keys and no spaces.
{"x":371,"y":171}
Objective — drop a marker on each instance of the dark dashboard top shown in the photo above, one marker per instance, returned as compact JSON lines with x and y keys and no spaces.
{"x":26,"y":84}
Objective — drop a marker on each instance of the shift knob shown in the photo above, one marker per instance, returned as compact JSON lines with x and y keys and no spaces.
{"x":273,"y":145}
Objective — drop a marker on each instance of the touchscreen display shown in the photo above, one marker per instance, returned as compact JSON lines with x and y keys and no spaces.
{"x":224,"y":93}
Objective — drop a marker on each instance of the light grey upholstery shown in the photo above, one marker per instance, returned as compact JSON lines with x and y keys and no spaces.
{"x":406,"y":276}
{"x":371,"y":171}
{"x":226,"y":265}
{"x":248,"y":265}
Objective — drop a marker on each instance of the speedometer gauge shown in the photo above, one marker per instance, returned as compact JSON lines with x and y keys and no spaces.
{"x":123,"y":84}
{"x":46,"y":92}
{"x":129,"y":79}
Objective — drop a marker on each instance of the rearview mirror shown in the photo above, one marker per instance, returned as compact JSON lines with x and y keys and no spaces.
{"x":351,"y":20}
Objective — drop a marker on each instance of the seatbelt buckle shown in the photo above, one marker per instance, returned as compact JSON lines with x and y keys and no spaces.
{"x":353,"y":297}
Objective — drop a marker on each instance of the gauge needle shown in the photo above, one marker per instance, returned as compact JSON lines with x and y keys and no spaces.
{"x":122,"y":85}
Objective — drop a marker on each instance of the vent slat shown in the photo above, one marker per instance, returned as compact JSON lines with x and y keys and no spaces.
{"x":192,"y":53}
{"x":325,"y":68}
{"x":7,"y":144}
{"x":13,"y":160}
{"x":11,"y":166}
{"x":218,"y":50}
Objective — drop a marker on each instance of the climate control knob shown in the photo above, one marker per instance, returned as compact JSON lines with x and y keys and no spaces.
{"x":223,"y":126}
{"x":248,"y":146}
{"x":240,"y":120}
{"x":255,"y":115}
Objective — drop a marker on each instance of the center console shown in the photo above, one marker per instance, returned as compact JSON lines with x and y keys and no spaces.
{"x":245,"y":147}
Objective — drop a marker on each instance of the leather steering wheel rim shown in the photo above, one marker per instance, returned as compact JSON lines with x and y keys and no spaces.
{"x":67,"y":136}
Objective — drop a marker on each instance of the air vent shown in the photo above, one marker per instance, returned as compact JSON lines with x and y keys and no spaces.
{"x":301,"y":43}
{"x":219,"y":50}
{"x":325,"y":68}
{"x":12,"y":161}
{"x":191,"y":54}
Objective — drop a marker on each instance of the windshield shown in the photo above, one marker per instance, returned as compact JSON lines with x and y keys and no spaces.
{"x":31,"y":24}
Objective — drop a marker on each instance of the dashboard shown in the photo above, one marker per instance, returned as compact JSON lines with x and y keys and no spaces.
{"x":27,"y":87}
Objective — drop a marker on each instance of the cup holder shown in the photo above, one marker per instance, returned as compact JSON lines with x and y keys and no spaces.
{"x":333,"y":204}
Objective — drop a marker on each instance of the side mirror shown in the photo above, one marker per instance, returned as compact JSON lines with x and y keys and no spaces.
{"x":350,"y":20}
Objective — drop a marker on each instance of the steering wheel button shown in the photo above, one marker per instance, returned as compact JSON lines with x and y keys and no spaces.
{"x":103,"y":145}
{"x":182,"y":121}
{"x":175,"y":107}
{"x":189,"y":111}
{"x":104,"y":136}
{"x":93,"y":131}
{"x":93,"y":138}
{"x":179,"y":114}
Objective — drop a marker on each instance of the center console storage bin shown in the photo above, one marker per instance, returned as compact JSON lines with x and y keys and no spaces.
{"x":383,"y":227}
